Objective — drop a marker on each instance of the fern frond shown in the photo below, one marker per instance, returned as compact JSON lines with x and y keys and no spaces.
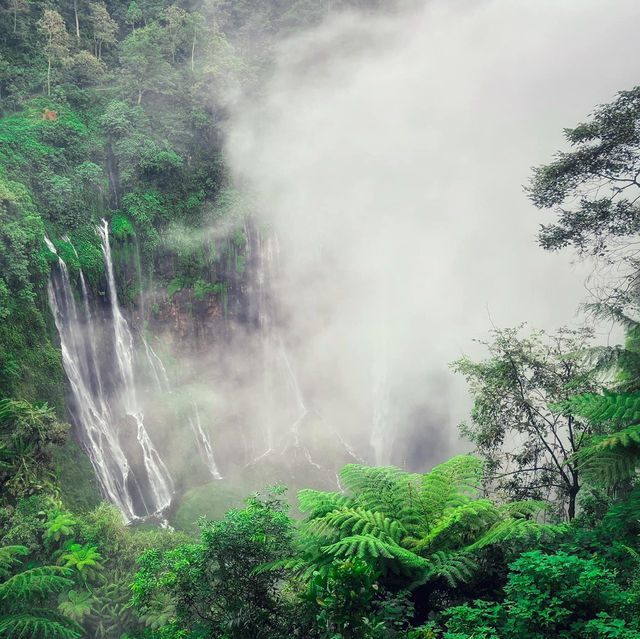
{"x":601,"y":310}
{"x":613,"y":457}
{"x":319,"y":503}
{"x":459,"y":526}
{"x":455,"y":569}
{"x":356,"y":521}
{"x":385,"y":489}
{"x":35,"y":583}
{"x":622,"y":407}
{"x":451,"y":484}
{"x":9,"y":557}
{"x":390,"y":557}
{"x":292,"y":564}
{"x":43,"y":624}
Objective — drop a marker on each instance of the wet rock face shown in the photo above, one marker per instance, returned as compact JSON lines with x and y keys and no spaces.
{"x":185,"y":324}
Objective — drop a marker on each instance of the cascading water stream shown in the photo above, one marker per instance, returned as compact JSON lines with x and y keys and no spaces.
{"x":278,"y":373}
{"x":155,"y":363}
{"x":160,"y":481}
{"x":203,"y":443}
{"x":90,"y":410}
{"x":379,"y":439}
{"x":201,"y":438}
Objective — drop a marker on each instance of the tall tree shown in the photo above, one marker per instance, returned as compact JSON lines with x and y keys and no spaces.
{"x":51,"y":25}
{"x":133,"y":15}
{"x":516,"y":425}
{"x":176,"y":18}
{"x":104,"y":28}
{"x":143,"y":67}
{"x":15,"y":6}
{"x":595,"y":188}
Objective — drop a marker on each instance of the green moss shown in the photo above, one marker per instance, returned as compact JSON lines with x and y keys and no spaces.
{"x":121,"y":227}
{"x":222,"y":288}
{"x":211,"y":500}
{"x":175,"y":285}
{"x":77,"y":481}
{"x":201,"y":289}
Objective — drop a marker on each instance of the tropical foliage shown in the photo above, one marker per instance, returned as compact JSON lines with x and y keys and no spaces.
{"x":115,"y":110}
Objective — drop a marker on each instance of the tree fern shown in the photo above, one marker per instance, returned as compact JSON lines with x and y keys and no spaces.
{"x":39,"y":624}
{"x":387,"y":556}
{"x":386,"y":489}
{"x":9,"y":558}
{"x":417,"y":526}
{"x":451,"y":484}
{"x":23,"y":594}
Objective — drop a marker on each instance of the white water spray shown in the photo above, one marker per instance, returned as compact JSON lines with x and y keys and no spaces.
{"x":203,"y":443}
{"x":90,"y":408}
{"x":159,"y":478}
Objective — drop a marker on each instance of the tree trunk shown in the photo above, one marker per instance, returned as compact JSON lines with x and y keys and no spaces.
{"x":49,"y":77}
{"x":573,"y":494}
{"x":139,"y":97}
{"x":15,"y":19}
{"x":193,"y":48}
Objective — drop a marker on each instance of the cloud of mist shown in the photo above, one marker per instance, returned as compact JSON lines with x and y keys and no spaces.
{"x":388,"y":154}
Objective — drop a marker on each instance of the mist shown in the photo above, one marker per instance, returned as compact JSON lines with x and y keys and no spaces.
{"x":387,"y":156}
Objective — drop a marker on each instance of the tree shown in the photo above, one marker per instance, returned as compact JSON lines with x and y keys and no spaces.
{"x":51,"y":25}
{"x":15,"y":6}
{"x":595,"y":187}
{"x":133,"y":15}
{"x":412,"y":528}
{"x":143,"y":67}
{"x":516,"y":424}
{"x":104,"y":28}
{"x":176,"y":18}
{"x":212,"y":587}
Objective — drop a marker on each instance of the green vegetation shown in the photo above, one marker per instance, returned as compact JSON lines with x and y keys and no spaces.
{"x":114,"y":110}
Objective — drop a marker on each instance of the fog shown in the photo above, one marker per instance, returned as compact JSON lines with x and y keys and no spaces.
{"x":388,"y":155}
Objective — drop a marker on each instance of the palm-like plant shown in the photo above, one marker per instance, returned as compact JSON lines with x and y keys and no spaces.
{"x":23,"y":598}
{"x":58,"y":526}
{"x":411,"y":525}
{"x":77,"y":605}
{"x":614,"y":454}
{"x":85,"y":559}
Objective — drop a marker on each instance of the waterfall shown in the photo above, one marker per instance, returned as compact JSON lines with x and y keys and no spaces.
{"x":201,"y":438}
{"x":381,"y":434}
{"x":155,"y":363}
{"x":90,"y":409}
{"x":161,"y":485}
{"x":280,"y":383}
{"x":203,"y":442}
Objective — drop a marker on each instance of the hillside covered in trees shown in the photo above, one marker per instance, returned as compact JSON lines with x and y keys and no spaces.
{"x":151,"y":405}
